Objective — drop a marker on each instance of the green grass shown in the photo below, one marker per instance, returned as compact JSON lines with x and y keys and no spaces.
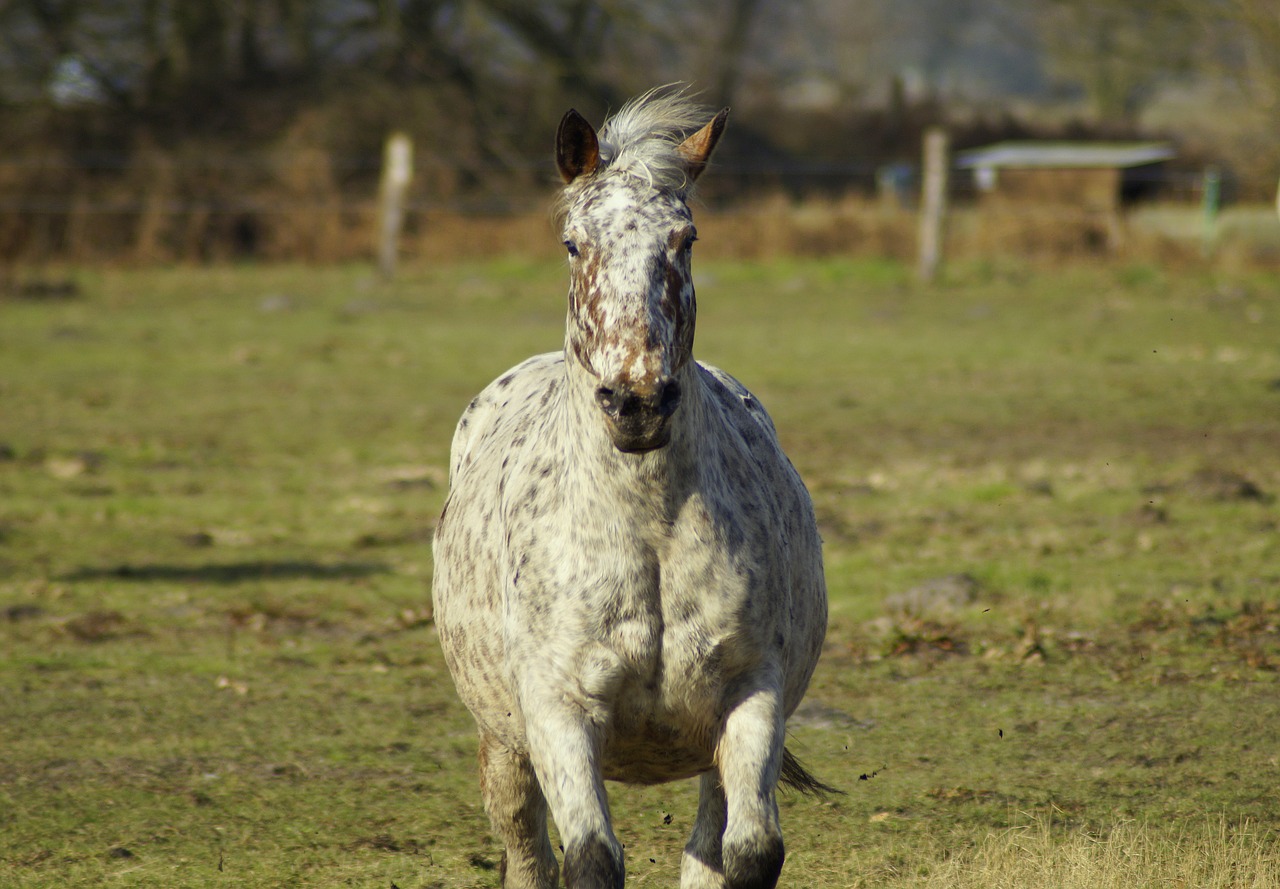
{"x":217,"y":487}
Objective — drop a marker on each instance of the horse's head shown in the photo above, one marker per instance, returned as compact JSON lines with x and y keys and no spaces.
{"x":629,"y":233}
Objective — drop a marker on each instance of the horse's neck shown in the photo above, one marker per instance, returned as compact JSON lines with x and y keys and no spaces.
{"x":596,"y":464}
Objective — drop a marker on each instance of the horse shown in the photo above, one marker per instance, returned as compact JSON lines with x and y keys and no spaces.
{"x":628,"y":579}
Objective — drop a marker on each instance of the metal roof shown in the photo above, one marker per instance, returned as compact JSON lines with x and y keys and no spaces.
{"x":1066,"y":154}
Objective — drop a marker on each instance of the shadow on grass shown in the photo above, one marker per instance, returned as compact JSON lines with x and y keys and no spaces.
{"x":232,"y":572}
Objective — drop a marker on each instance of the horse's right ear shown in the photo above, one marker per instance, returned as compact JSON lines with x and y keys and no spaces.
{"x":577,"y":148}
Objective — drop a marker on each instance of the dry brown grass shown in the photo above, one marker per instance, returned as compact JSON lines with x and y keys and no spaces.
{"x":443,"y":236}
{"x":777,"y":227}
{"x":1213,"y":854}
{"x":297,"y":203}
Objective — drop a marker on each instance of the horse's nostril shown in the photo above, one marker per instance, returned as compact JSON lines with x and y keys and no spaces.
{"x":669,"y":399}
{"x":607,"y":399}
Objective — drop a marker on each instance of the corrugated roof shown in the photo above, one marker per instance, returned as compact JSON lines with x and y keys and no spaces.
{"x":1066,"y":154}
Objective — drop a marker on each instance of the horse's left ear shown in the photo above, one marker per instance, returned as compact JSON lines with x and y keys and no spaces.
{"x":696,"y":150}
{"x":577,"y":148}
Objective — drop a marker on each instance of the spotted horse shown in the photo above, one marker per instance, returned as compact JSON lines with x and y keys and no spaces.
{"x":628,"y":575}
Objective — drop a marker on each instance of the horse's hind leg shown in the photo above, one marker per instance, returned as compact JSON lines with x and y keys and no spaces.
{"x":518,"y":812}
{"x":702,"y":866}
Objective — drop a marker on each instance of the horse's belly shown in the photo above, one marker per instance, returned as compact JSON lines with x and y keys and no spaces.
{"x":653,"y":739}
{"x":654,"y":756}
{"x":663,"y":722}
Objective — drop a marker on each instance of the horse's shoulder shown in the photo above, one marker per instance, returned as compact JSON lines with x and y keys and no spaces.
{"x":754,"y":438}
{"x":730,"y":393}
{"x":508,"y":401}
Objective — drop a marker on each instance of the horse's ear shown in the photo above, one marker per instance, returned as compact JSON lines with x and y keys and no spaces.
{"x":696,"y":150}
{"x":577,"y":148}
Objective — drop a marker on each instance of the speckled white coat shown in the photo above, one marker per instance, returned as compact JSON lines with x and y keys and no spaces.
{"x":638,"y":602}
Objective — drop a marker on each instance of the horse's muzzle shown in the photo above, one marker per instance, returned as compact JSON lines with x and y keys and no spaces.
{"x":639,"y":417}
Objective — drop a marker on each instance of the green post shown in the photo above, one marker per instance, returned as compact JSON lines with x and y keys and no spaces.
{"x":1210,"y":205}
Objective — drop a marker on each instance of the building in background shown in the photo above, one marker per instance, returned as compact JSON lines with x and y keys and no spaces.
{"x":1037,"y":192}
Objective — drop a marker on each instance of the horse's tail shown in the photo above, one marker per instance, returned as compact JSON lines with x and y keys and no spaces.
{"x":797,"y":777}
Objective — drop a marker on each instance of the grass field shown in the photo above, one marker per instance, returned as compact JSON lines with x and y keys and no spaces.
{"x":1052,"y":538}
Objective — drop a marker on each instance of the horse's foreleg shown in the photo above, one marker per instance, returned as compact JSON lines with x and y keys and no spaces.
{"x":702,"y":866}
{"x":749,"y":758}
{"x":518,"y":812}
{"x":565,"y":754}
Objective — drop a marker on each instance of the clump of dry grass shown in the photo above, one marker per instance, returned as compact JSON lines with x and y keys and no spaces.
{"x":1200,"y":854}
{"x":777,"y":227}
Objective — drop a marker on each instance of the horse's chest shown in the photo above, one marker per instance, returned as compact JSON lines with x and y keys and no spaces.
{"x":645,"y":622}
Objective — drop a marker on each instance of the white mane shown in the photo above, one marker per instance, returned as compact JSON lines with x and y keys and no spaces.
{"x":641,"y":139}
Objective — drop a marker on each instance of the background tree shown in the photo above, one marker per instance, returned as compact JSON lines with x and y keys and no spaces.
{"x":843,"y":86}
{"x":1119,"y":54}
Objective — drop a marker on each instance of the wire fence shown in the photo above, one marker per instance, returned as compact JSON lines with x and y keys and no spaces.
{"x":312,"y":205}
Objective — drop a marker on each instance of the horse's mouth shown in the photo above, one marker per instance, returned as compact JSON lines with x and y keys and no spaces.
{"x":639,"y":419}
{"x":639,"y":438}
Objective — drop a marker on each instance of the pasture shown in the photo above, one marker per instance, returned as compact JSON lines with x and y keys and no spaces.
{"x":1048,"y":497}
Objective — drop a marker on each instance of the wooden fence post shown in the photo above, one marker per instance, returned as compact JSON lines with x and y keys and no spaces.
{"x":397,"y":169}
{"x":933,"y":203}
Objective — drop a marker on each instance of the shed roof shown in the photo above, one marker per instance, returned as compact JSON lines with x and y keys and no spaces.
{"x":1073,"y":155}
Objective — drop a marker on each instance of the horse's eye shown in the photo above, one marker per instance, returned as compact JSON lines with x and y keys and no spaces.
{"x":571,"y":247}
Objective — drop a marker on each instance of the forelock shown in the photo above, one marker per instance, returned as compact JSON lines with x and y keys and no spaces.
{"x":642,"y":140}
